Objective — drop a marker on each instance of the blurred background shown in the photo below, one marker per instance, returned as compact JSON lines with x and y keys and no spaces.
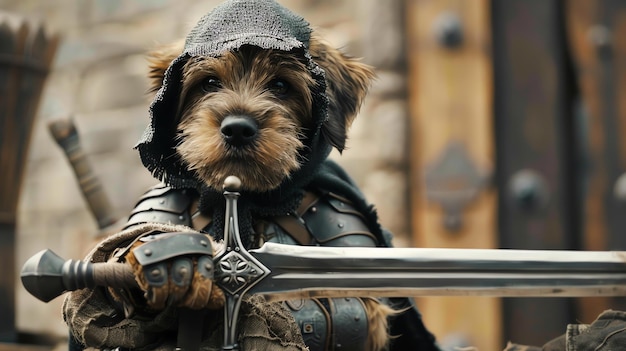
{"x":492,"y":124}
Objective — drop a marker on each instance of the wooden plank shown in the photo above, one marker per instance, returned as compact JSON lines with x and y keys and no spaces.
{"x":532,"y":102}
{"x":599,"y":57}
{"x":450,"y":104}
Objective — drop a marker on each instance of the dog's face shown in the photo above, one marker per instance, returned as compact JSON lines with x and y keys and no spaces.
{"x":246,"y":112}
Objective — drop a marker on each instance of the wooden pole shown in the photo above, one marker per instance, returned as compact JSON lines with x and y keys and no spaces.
{"x":450,"y":89}
{"x":26,"y":53}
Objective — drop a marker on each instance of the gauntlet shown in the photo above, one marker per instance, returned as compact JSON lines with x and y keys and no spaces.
{"x":172,"y":269}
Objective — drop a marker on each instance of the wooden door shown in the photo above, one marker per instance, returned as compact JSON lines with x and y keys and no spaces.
{"x":534,"y":90}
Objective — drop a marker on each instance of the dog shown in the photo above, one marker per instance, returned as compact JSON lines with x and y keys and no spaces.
{"x":243,"y":113}
{"x":253,"y":92}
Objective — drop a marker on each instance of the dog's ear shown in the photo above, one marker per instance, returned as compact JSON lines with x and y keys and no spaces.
{"x":347,"y":82}
{"x":159,"y":60}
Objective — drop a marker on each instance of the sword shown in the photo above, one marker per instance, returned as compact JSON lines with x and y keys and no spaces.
{"x":281,"y":272}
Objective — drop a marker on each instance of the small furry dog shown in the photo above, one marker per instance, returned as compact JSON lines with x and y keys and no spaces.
{"x":251,"y":93}
{"x":245,"y":113}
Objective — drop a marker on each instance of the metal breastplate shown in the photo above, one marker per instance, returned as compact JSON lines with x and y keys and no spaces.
{"x":324,"y":220}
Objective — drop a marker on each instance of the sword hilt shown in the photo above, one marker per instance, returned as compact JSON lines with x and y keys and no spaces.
{"x":232,"y":240}
{"x":236,"y":271}
{"x":46,"y":275}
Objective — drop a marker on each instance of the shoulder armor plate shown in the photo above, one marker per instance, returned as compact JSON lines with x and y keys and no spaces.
{"x":334,"y":221}
{"x":162,"y":204}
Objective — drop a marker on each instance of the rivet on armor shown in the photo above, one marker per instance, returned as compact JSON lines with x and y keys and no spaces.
{"x":340,"y":225}
{"x":155,"y":273}
{"x":161,"y":202}
{"x":208,"y":266}
{"x":313,"y":209}
{"x":204,"y":243}
{"x":357,"y":318}
{"x":181,"y":217}
{"x":307,"y":328}
{"x":147,"y":252}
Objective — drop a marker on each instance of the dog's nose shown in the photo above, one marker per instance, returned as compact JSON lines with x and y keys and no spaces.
{"x":239,"y":130}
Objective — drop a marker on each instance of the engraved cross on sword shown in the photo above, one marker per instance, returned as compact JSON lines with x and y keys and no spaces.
{"x":281,"y":272}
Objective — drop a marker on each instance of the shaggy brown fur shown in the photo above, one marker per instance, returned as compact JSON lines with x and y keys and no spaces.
{"x":273,"y":89}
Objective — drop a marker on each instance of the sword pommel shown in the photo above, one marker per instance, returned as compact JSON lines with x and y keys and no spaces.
{"x":232,"y":184}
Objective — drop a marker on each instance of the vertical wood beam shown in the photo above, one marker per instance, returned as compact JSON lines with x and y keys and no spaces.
{"x":533,"y":120}
{"x":595,"y":29}
{"x":450,"y":97}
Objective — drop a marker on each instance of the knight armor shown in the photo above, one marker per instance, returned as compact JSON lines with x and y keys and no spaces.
{"x":322,"y":219}
{"x":315,"y":204}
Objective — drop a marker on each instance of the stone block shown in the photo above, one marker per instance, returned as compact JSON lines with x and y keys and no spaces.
{"x":111,"y":86}
{"x":387,"y":190}
{"x":388,"y":84}
{"x":112,"y":130}
{"x":389,"y":132}
{"x":50,"y":185}
{"x":383,"y":28}
{"x":110,"y":10}
{"x":79,"y":53}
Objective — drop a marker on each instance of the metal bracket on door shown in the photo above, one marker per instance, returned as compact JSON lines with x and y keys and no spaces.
{"x":453,"y":181}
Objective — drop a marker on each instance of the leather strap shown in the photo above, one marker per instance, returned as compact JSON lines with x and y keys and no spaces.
{"x":294,"y":225}
{"x":199,"y":220}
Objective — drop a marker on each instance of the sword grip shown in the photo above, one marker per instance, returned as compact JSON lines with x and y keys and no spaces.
{"x":65,"y":134}
{"x":47,"y":276}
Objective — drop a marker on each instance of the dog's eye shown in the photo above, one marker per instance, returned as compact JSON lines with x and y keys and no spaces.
{"x":211,"y":84}
{"x":279,"y":87}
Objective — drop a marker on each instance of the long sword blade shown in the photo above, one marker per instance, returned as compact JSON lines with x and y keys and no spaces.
{"x":300,"y":272}
{"x":281,"y":272}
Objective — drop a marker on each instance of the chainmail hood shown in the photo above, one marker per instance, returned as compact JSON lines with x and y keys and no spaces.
{"x":262,"y":23}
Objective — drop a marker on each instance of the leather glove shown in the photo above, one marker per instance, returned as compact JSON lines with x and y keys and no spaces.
{"x":175,"y":269}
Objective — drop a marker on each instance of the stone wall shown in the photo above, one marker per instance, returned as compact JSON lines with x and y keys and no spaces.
{"x":99,"y":79}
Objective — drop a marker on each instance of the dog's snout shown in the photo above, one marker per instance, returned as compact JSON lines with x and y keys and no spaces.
{"x":238,"y":130}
